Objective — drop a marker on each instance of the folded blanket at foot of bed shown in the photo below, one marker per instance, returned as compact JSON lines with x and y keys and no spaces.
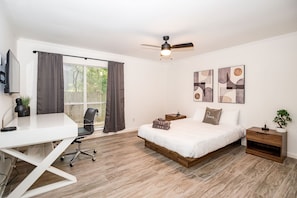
{"x":161,"y":124}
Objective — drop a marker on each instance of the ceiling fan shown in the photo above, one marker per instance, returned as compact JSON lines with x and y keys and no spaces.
{"x":166,"y":47}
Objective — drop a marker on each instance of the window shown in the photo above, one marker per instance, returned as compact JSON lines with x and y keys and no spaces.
{"x":84,"y":87}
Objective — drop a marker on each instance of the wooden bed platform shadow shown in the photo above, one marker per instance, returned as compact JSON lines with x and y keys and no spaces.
{"x":187,"y":161}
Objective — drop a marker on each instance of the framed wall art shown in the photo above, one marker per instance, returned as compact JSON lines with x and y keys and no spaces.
{"x":203,"y":86}
{"x":231,"y":84}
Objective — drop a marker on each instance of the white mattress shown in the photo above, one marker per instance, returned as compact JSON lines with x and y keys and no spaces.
{"x":192,"y":138}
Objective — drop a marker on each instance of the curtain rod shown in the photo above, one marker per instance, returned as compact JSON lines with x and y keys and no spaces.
{"x":35,"y":51}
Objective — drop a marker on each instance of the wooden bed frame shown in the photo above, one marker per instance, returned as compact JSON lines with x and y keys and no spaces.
{"x":186,"y":161}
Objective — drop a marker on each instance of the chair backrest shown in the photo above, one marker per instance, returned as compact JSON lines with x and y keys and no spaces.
{"x":89,"y":119}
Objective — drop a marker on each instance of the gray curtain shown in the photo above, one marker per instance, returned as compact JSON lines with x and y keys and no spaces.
{"x":115,"y":111}
{"x":50,"y":83}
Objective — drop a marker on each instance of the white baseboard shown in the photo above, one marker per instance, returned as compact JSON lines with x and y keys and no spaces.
{"x":292,"y":155}
{"x":100,"y":133}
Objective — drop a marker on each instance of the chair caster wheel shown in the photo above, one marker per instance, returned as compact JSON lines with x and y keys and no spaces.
{"x":62,"y":158}
{"x":71,"y":165}
{"x":94,"y":151}
{"x":93,"y":159}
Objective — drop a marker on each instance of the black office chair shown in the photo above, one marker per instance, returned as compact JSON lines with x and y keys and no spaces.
{"x":84,"y":131}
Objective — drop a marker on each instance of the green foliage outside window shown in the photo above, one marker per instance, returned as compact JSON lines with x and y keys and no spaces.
{"x":76,"y":100}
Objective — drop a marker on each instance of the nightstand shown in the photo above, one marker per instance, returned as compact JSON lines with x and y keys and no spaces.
{"x":170,"y":117}
{"x":268,"y":144}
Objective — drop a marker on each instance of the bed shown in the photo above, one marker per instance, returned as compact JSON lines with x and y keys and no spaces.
{"x":190,"y":140}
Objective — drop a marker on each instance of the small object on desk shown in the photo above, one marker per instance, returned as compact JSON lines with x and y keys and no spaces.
{"x":265,"y":128}
{"x":6,"y":129}
{"x":178,"y":114}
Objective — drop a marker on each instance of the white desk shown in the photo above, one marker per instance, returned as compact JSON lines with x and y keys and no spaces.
{"x":37,"y":129}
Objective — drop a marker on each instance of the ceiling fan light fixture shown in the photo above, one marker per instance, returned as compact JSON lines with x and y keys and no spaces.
{"x":165,"y":52}
{"x":166,"y":49}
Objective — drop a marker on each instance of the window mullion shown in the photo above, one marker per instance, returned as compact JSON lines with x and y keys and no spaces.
{"x":85,"y":88}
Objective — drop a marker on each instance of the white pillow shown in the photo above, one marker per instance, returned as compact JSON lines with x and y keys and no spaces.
{"x":199,"y":114}
{"x":229,"y":117}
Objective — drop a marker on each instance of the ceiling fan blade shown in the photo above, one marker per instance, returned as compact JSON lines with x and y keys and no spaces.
{"x":148,"y":45}
{"x":182,"y":45}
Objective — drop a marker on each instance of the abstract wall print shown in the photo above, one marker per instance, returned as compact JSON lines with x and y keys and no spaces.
{"x":203,"y":86}
{"x":231,"y":84}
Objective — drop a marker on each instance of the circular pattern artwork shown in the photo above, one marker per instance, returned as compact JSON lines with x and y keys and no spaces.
{"x":231,"y":84}
{"x":203,"y":86}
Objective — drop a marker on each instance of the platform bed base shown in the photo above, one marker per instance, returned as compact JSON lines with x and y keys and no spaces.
{"x":187,"y":161}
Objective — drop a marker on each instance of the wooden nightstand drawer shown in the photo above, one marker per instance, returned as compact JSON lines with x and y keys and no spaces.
{"x":170,"y":117}
{"x":263,"y":137}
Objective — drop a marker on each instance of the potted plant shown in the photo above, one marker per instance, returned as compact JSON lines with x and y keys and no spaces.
{"x":282,"y":118}
{"x":26,"y":104}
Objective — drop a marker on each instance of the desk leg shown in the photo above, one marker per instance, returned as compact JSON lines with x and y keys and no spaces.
{"x":41,"y":167}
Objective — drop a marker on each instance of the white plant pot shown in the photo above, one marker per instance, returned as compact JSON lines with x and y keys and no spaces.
{"x":281,"y":130}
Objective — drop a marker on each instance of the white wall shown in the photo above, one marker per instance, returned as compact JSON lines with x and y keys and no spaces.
{"x":7,"y":41}
{"x":270,"y":84}
{"x":144,"y":80}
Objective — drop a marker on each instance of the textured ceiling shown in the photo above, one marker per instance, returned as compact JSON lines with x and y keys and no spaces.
{"x":121,"y":26}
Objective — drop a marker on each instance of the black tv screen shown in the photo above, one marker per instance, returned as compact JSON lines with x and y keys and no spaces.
{"x":12,"y":74}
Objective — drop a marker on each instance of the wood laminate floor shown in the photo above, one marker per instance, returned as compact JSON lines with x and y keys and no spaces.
{"x":125,"y":168}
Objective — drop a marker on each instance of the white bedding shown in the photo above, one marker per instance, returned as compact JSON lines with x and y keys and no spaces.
{"x":192,"y":138}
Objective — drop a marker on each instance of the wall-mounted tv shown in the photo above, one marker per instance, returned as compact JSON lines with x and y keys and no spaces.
{"x":11,"y":74}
